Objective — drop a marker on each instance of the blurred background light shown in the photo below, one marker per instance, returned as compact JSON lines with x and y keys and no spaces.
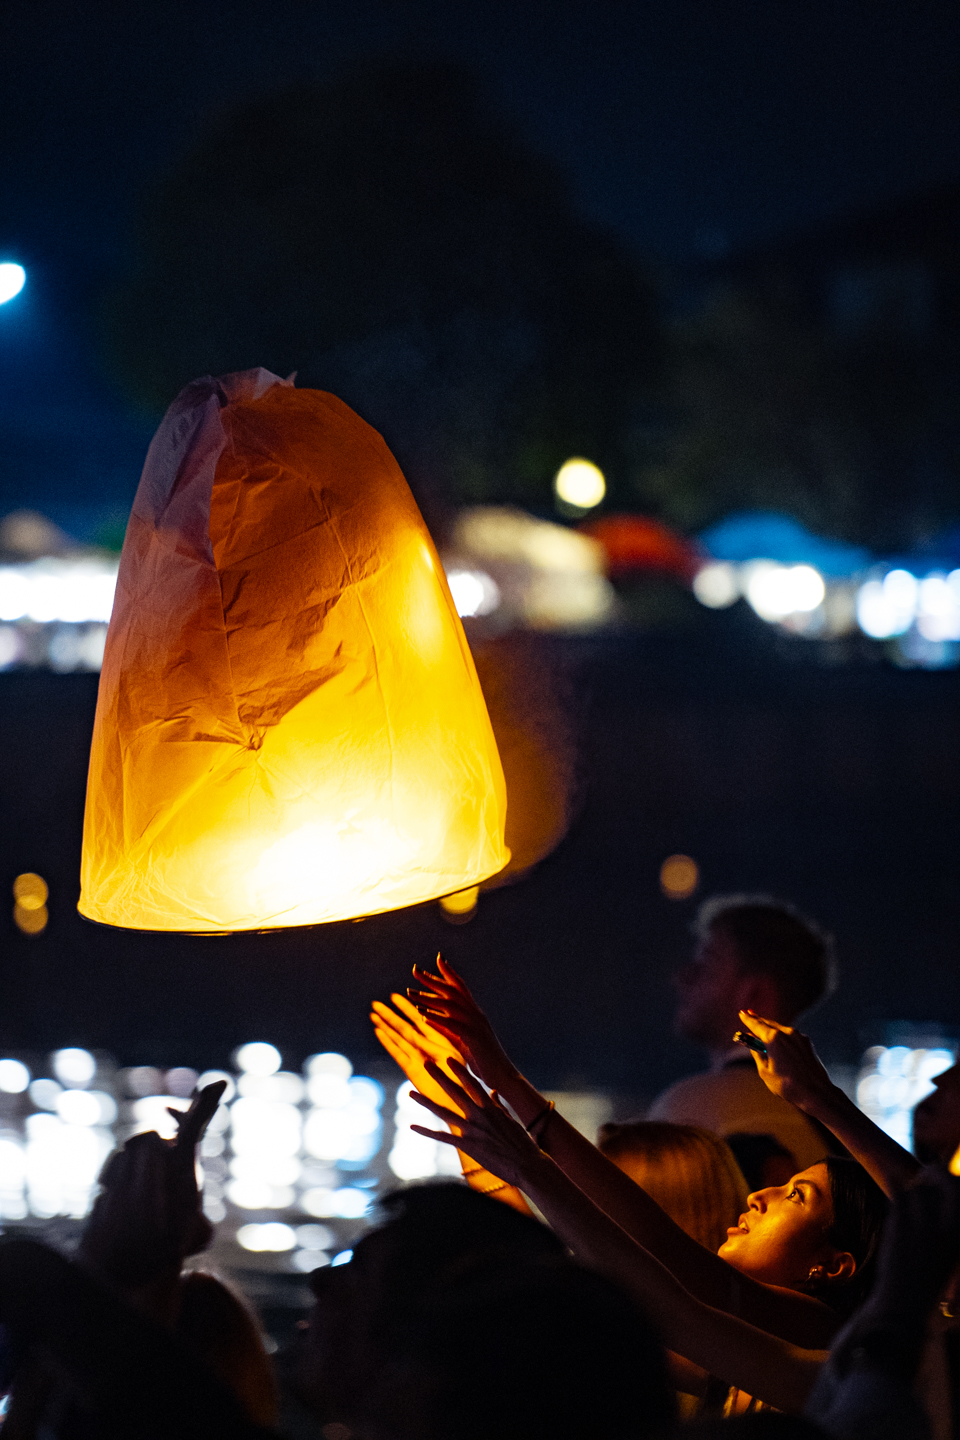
{"x":271,"y":1235}
{"x":716,"y":585}
{"x":346,"y":1203}
{"x":30,"y":914}
{"x":152,"y":1112}
{"x":14,"y":1077}
{"x":30,"y":922}
{"x":13,"y":277}
{"x":775,"y":591}
{"x":549,"y":577}
{"x":30,"y":891}
{"x":580,"y":483}
{"x":331,"y":1062}
{"x":895,"y":1078}
{"x":474,"y":592}
{"x":679,"y":877}
{"x":314,"y":1237}
{"x":308,"y":1260}
{"x":938,"y":607}
{"x":887,"y":607}
{"x":44,"y":1093}
{"x":52,"y":588}
{"x":74,"y":1067}
{"x":258,"y":1058}
{"x":412,"y":1156}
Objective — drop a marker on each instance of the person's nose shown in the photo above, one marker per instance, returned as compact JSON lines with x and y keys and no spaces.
{"x":757,"y":1200}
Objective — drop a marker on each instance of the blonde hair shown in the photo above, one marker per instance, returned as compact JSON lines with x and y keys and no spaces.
{"x":218,"y":1326}
{"x":690,"y":1172}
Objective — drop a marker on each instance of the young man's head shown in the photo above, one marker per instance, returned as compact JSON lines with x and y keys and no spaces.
{"x":752,"y":953}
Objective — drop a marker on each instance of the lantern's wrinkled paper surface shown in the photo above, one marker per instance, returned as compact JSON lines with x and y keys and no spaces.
{"x":289,"y":728}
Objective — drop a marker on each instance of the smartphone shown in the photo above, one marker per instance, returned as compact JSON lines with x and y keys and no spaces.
{"x":744,"y":1037}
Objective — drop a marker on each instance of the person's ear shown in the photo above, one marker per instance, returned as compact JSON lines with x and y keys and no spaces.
{"x":839,"y":1267}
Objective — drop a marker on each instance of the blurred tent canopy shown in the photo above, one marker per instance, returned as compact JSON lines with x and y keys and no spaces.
{"x":386,"y":237}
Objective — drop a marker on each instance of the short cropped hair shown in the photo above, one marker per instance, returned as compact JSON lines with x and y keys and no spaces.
{"x":774,"y":939}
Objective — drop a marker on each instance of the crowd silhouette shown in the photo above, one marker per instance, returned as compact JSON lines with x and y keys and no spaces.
{"x":628,"y":1290}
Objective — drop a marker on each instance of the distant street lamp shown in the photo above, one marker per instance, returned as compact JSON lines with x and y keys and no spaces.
{"x":12,"y":280}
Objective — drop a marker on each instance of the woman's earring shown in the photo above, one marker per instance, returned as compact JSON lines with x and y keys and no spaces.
{"x":815,"y":1271}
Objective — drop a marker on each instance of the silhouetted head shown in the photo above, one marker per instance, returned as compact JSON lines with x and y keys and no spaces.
{"x":538,"y":1350}
{"x":752,"y":953}
{"x":429,"y":1234}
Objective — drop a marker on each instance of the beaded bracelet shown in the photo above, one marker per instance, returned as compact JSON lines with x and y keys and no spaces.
{"x":540,"y":1116}
{"x":491,"y":1189}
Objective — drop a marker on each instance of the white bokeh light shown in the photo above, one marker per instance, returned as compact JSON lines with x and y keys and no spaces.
{"x":13,"y":277}
{"x":475,"y":593}
{"x":776,"y":591}
{"x":938,"y":607}
{"x":414,"y":1157}
{"x":271,"y":1235}
{"x":258,"y":1058}
{"x":14,"y":1077}
{"x":74,"y":1067}
{"x":887,"y":607}
{"x":716,"y":585}
{"x":580,"y":483}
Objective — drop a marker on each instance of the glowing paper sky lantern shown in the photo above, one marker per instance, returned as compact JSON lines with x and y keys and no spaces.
{"x":289,"y":728}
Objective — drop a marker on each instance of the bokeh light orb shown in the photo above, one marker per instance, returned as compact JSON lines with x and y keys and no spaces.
{"x":258,"y":1058}
{"x":580,"y":483}
{"x":716,"y":585}
{"x":74,"y":1067}
{"x":14,"y":1077}
{"x":30,"y":891}
{"x":679,"y":877}
{"x":12,"y":280}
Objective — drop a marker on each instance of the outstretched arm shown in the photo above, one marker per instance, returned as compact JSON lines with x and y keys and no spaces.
{"x":448,"y":1006}
{"x":791,"y":1069}
{"x":411,"y":1041}
{"x":759,"y":1363}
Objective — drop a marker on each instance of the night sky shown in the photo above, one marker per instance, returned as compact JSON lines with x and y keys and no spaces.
{"x":692,"y":128}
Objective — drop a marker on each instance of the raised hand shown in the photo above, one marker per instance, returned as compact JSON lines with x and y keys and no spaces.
{"x":486,"y":1132}
{"x":411,"y":1042}
{"x":148,"y":1216}
{"x":446,"y":1004}
{"x":791,"y":1067}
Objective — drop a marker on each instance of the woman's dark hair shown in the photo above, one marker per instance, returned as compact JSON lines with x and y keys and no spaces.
{"x":859,"y":1211}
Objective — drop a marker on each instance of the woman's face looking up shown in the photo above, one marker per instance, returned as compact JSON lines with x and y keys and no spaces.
{"x":783,"y":1234}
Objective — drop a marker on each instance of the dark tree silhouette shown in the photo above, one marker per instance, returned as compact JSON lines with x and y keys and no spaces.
{"x":390,"y":240}
{"x":768,"y":405}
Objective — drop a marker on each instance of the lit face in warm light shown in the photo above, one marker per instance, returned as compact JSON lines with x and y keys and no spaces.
{"x":783,"y":1233}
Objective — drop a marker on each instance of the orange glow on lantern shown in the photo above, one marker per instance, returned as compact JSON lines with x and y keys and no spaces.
{"x":289,"y":728}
